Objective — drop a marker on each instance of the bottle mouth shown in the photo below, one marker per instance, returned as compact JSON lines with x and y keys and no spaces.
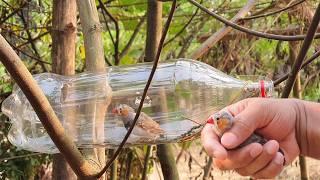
{"x":257,"y":86}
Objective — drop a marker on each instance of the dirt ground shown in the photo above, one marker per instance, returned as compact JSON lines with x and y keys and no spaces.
{"x":291,"y":172}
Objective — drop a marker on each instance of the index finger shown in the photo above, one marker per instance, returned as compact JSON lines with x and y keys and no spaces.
{"x":211,"y":143}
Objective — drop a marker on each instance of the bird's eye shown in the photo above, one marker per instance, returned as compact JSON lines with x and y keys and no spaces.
{"x":120,"y":110}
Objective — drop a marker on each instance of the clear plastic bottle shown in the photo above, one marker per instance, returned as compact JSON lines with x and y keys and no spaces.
{"x":181,"y":97}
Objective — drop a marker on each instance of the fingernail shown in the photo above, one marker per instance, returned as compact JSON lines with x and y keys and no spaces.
{"x":219,"y":155}
{"x":271,"y":148}
{"x":279,"y":159}
{"x":229,"y":139}
{"x":255,"y":151}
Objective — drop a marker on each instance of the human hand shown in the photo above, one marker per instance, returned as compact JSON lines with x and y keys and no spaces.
{"x":274,"y":119}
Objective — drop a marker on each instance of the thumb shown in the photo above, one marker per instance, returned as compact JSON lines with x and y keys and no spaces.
{"x":246,"y":119}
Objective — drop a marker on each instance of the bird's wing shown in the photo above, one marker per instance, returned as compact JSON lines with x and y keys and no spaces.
{"x":149,"y":124}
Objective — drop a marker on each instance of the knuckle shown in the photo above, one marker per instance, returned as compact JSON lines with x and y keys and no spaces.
{"x":242,"y":124}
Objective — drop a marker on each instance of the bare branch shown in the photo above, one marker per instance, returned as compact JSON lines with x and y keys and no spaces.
{"x":302,"y":54}
{"x":33,"y":39}
{"x":133,"y":36}
{"x":42,"y":107}
{"x":284,"y":77}
{"x":212,"y":40}
{"x":19,"y":156}
{"x":274,"y":12}
{"x":249,"y":31}
{"x":182,"y":29}
{"x":13,"y":13}
{"x":33,"y":45}
{"x":116,"y":42}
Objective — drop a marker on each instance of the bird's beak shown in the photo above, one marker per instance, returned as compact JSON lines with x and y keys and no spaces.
{"x":210,"y":120}
{"x":115,"y":111}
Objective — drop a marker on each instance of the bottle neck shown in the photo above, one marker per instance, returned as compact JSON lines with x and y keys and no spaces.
{"x":262,"y":88}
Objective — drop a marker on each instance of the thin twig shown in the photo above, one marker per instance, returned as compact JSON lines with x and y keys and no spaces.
{"x":182,"y":29}
{"x":108,"y":28}
{"x":249,"y":31}
{"x":128,"y":166}
{"x":214,"y":38}
{"x":133,"y":36}
{"x":8,"y":30}
{"x":309,"y":78}
{"x":28,"y":55}
{"x":307,"y":62}
{"x":116,"y":45}
{"x":207,"y":169}
{"x":13,"y":12}
{"x":33,"y":39}
{"x":154,"y":67}
{"x":261,"y":11}
{"x":146,"y":161}
{"x":19,"y":156}
{"x":302,"y":53}
{"x":274,"y":12}
{"x":33,"y":45}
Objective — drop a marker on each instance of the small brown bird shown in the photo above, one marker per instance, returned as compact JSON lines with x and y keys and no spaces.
{"x":223,"y":121}
{"x":145,"y":125}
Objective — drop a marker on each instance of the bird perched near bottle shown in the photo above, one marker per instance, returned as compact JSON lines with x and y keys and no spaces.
{"x":223,"y":121}
{"x":145,"y":125}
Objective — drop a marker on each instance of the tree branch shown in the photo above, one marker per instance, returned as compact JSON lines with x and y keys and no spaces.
{"x":28,"y":55}
{"x":182,"y":29}
{"x":284,"y":77}
{"x":302,"y":54}
{"x":33,"y":39}
{"x":232,"y":36}
{"x":133,"y":36}
{"x":33,"y":45}
{"x":212,"y":40}
{"x":274,"y":12}
{"x":146,"y":161}
{"x":249,"y":31}
{"x":47,"y":116}
{"x":13,"y":13}
{"x":116,"y":42}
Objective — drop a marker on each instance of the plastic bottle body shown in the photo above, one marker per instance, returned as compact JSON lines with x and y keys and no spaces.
{"x":182,"y":95}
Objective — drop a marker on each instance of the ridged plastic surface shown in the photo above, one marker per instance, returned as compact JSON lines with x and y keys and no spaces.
{"x":181,"y":97}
